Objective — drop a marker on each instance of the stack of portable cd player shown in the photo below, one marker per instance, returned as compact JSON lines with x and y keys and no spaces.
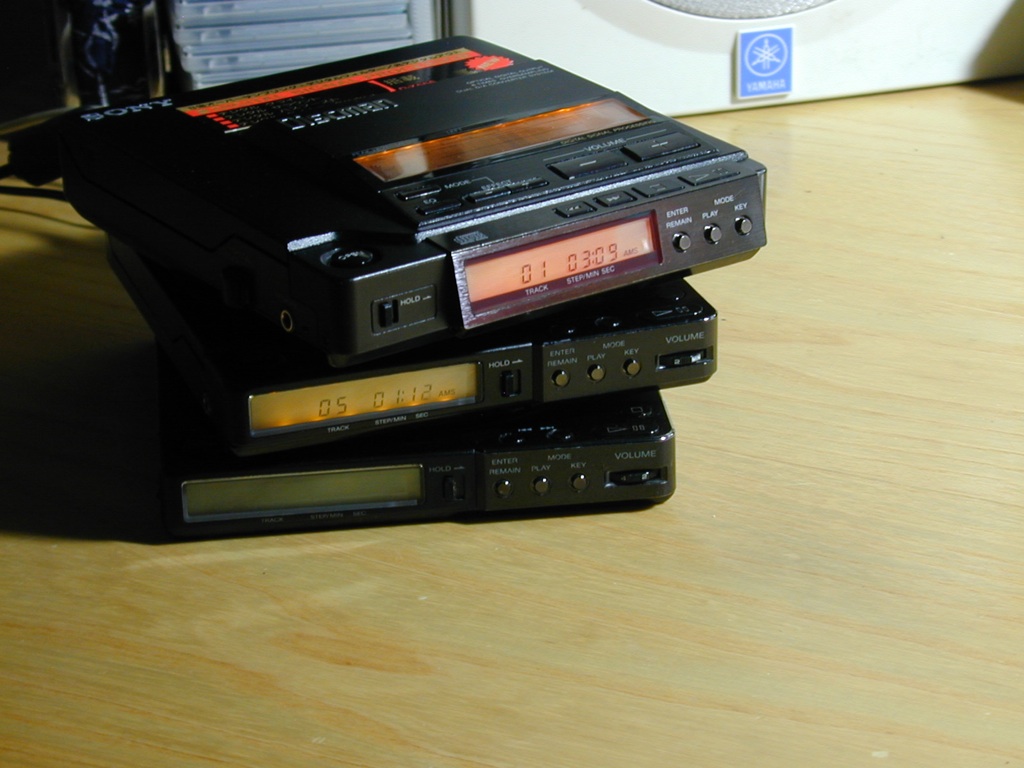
{"x":436,"y":281}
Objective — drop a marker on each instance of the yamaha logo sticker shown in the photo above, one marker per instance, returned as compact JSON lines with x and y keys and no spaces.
{"x":764,"y":63}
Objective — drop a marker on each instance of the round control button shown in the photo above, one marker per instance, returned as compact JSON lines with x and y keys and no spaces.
{"x":744,"y":225}
{"x":503,"y":488}
{"x":352,"y":257}
{"x":596,"y":372}
{"x":561,"y":378}
{"x":579,"y":482}
{"x":681,"y":241}
{"x":712,"y":233}
{"x":541,"y":485}
{"x":632,"y":367}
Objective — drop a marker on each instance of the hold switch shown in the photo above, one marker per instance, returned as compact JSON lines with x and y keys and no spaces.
{"x":511,"y":383}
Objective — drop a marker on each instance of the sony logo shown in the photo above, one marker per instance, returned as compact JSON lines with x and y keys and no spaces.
{"x":130,"y":109}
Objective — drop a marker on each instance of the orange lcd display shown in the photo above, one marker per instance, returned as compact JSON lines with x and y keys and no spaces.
{"x":556,"y":264}
{"x":388,"y":394}
{"x":436,"y":154}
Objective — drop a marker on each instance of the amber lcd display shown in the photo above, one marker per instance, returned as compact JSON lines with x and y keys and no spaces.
{"x":436,"y":154}
{"x":303,"y":492}
{"x":390,"y":394}
{"x":558,"y":263}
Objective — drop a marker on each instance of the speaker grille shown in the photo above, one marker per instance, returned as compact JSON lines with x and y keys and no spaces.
{"x":741,"y":9}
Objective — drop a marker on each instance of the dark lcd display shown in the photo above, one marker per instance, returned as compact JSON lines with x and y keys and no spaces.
{"x":302,"y":492}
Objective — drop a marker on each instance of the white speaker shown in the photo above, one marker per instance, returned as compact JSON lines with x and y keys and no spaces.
{"x":689,"y":56}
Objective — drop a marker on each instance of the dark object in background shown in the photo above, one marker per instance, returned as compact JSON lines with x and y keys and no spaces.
{"x":56,"y":54}
{"x":114,"y":50}
{"x":32,"y":78}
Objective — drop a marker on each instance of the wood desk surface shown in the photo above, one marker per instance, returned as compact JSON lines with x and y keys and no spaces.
{"x":839,"y":579}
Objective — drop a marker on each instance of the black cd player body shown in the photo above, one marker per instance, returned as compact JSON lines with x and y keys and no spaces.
{"x":370,"y":205}
{"x":592,"y":454}
{"x":265,"y":393}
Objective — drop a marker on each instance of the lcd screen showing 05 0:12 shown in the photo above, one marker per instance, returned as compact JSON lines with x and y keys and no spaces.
{"x":390,"y":394}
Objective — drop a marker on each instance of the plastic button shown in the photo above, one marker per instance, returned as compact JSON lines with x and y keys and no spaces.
{"x":656,"y":188}
{"x":662,"y":145}
{"x":713,"y":233}
{"x":582,"y":166}
{"x":615,"y":198}
{"x":574,"y":209}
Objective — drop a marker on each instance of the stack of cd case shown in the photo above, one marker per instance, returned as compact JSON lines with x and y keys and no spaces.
{"x":221,"y":41}
{"x":560,"y":413}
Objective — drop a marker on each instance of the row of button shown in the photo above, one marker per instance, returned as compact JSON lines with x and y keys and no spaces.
{"x":713,"y":233}
{"x":580,"y":208}
{"x":632,"y":367}
{"x":647,"y":190}
{"x":541,"y":485}
{"x":435,"y":207}
{"x":680,"y":146}
{"x":579,"y":482}
{"x":562,"y":378}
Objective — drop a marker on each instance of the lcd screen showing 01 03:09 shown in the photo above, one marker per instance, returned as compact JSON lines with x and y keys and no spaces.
{"x":552,"y":266}
{"x":433,"y":155}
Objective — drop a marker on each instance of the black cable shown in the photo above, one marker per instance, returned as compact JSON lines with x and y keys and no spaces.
{"x":33,"y":153}
{"x":37,"y":161}
{"x":50,"y":194}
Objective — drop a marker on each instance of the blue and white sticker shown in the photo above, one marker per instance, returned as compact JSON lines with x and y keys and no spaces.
{"x":764,"y":63}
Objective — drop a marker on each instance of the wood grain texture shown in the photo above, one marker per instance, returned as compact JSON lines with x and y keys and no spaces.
{"x":839,"y":579}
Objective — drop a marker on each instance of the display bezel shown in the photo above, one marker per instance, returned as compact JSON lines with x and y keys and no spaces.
{"x":480,"y":311}
{"x":465,"y":376}
{"x":298,"y":493}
